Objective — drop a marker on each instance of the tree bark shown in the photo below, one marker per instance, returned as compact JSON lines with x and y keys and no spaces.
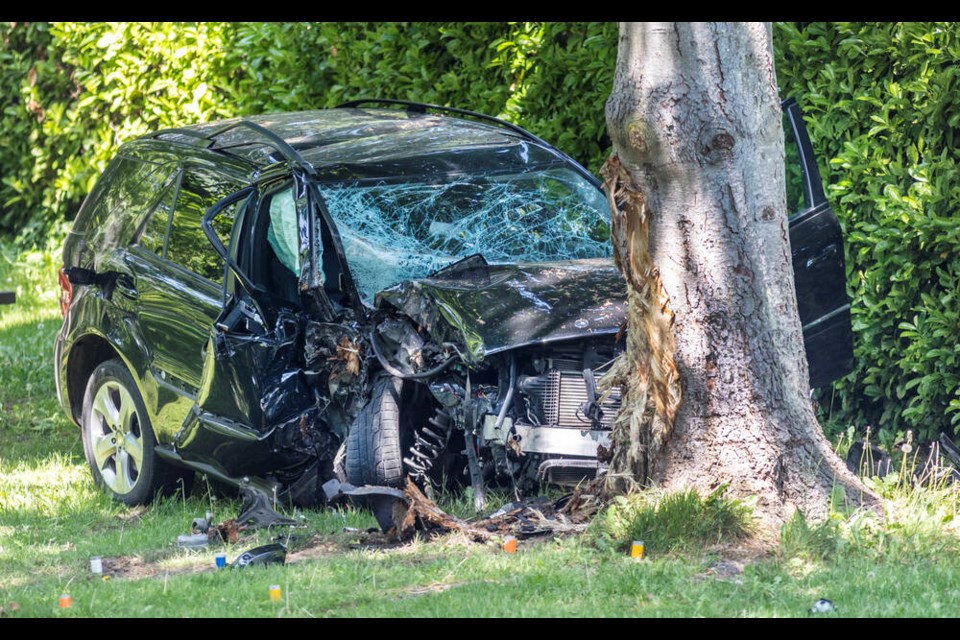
{"x":696,"y":124}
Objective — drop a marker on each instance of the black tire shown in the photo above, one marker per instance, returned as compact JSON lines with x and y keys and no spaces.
{"x":374,"y":454}
{"x":121,"y":439}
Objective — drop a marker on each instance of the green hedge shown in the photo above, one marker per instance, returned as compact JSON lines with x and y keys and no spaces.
{"x":882,"y":110}
{"x":879,"y":100}
{"x":73,"y":92}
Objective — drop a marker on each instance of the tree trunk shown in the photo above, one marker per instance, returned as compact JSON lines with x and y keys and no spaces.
{"x":702,"y":240}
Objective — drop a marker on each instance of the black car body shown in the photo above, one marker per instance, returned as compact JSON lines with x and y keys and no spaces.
{"x":370,"y":292}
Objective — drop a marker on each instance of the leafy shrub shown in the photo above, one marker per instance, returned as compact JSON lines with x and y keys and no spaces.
{"x":882,"y":112}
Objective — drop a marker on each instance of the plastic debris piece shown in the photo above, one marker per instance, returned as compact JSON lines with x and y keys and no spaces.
{"x":193,"y":541}
{"x":637,"y":549}
{"x":96,"y":565}
{"x":261,"y":556}
{"x":823,"y":606}
{"x":66,"y":601}
{"x":221,"y":560}
{"x":257,"y":512}
{"x":275,"y":593}
{"x":201,"y":525}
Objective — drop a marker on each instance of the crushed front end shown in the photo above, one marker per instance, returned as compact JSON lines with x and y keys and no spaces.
{"x":511,"y":356}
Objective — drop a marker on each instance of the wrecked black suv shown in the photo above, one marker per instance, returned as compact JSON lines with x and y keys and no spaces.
{"x":366,"y":293}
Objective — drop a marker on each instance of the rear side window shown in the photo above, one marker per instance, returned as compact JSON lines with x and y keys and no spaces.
{"x":187,"y":245}
{"x":154,"y":234}
{"x":120,"y":200}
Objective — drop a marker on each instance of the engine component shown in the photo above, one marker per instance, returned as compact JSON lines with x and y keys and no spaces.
{"x":562,"y":396}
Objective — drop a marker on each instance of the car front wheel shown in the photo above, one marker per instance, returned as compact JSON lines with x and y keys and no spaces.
{"x":373,"y":448}
{"x":118,"y":439}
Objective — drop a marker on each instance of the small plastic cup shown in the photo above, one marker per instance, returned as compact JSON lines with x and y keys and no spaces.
{"x":275,"y":593}
{"x":510,"y":544}
{"x":96,"y":565}
{"x":637,"y":549}
{"x":66,"y":601}
{"x":221,"y":560}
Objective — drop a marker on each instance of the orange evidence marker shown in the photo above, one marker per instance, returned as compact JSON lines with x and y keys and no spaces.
{"x":66,"y":601}
{"x":510,"y":544}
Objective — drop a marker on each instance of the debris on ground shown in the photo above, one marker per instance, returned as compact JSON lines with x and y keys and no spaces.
{"x":257,"y":512}
{"x":227,"y":531}
{"x":402,"y":513}
{"x":204,"y":533}
{"x":823,"y":606}
{"x":275,"y":553}
{"x":201,"y":525}
{"x":723,"y":570}
{"x":193,"y":541}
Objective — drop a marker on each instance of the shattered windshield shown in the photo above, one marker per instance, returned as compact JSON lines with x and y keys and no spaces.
{"x":393,"y":232}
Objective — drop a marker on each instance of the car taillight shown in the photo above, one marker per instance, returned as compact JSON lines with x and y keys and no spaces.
{"x":66,"y":291}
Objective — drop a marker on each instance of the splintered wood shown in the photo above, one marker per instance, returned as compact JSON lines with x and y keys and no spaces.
{"x":227,"y":531}
{"x":521,"y":519}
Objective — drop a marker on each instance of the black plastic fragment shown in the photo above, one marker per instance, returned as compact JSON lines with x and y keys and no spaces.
{"x":261,"y":556}
{"x":257,"y":512}
{"x":383,"y":501}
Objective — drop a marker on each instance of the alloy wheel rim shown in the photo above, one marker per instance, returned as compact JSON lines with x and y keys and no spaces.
{"x":117,"y":437}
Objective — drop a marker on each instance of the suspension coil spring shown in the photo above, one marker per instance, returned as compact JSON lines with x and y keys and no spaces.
{"x":429,"y":442}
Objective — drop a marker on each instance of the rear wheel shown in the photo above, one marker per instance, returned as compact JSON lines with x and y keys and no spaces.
{"x":118,"y":439}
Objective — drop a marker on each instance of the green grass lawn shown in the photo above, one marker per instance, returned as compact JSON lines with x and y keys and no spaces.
{"x":53,"y":519}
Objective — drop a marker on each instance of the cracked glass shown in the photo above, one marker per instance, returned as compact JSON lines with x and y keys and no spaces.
{"x":396,"y":231}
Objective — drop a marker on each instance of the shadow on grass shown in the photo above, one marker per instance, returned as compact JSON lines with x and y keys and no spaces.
{"x":32,"y":425}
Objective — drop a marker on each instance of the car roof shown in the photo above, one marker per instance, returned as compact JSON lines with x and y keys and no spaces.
{"x":359,"y":143}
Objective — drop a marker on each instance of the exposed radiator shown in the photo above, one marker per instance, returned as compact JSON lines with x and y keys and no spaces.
{"x":563,"y":393}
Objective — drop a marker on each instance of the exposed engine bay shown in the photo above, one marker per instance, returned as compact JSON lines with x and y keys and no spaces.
{"x":533,"y":416}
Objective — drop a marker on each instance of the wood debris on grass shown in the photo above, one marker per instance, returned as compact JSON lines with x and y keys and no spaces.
{"x":227,"y":531}
{"x":522,"y":519}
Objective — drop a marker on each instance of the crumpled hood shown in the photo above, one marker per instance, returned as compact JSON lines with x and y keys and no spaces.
{"x":486,"y":309}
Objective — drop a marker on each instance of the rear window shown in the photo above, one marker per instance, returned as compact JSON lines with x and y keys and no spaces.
{"x":114,"y":209}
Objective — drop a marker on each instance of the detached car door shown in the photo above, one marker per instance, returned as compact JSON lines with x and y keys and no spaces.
{"x":816,"y":242}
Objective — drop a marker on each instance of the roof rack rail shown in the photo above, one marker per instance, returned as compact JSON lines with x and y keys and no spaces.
{"x":189,"y":133}
{"x":273,"y":140}
{"x":421,"y":107}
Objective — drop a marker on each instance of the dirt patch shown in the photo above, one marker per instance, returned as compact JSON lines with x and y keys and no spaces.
{"x":133,"y":516}
{"x":317,"y":547}
{"x":723,"y":570}
{"x":135,"y":567}
{"x":734,"y":557}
